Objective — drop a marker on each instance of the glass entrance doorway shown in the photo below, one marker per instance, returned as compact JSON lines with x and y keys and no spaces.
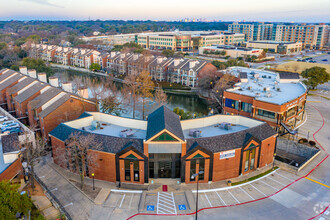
{"x":164,"y":165}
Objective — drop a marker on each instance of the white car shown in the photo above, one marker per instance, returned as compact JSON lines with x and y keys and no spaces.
{"x":3,"y":118}
{"x":6,"y":123}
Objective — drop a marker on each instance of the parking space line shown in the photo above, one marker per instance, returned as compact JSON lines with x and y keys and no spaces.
{"x":166,"y":202}
{"x":246,"y":193}
{"x":276,"y":181}
{"x":269,"y":185}
{"x":258,"y":190}
{"x":130,"y":202}
{"x":220,"y":198}
{"x":174,"y":203}
{"x":208,"y":199}
{"x":165,"y":208}
{"x":121,"y":203}
{"x":284,"y":177}
{"x":164,"y":198}
{"x":233,"y":196}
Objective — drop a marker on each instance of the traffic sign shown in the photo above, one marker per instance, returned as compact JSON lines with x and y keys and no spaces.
{"x":182,"y":207}
{"x":150,"y":208}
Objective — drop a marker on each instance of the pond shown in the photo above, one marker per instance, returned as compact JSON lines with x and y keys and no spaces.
{"x":188,"y":103}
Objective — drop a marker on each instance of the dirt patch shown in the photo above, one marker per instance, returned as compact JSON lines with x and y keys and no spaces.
{"x":87,"y":189}
{"x":38,"y":191}
{"x":298,"y":67}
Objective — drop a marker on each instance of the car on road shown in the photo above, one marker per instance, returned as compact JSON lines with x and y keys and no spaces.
{"x":15,"y":130}
{"x":325,"y":60}
{"x":3,"y":118}
{"x":6,"y":123}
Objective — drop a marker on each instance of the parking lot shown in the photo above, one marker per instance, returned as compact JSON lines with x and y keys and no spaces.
{"x":253,"y":190}
{"x":319,"y":59}
{"x":7,"y":125}
{"x":122,"y":200}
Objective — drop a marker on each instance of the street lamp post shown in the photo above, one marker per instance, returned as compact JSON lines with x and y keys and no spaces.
{"x":193,"y":177}
{"x":93,"y":181}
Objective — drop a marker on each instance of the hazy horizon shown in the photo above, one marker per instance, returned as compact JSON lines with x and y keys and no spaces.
{"x":317,"y":11}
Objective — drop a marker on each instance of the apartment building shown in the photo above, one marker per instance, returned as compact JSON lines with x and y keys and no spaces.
{"x":312,"y":36}
{"x":187,"y":40}
{"x":35,"y":102}
{"x":276,"y":98}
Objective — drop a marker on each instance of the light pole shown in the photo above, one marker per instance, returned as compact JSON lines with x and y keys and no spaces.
{"x":93,"y":181}
{"x":193,"y":177}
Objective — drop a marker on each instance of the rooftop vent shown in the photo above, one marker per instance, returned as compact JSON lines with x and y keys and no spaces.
{"x":257,"y":94}
{"x":268,"y":95}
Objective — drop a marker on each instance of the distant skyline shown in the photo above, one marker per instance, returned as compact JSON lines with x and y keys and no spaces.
{"x":253,"y":10}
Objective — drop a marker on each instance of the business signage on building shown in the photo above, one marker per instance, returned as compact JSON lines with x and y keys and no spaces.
{"x":227,"y":154}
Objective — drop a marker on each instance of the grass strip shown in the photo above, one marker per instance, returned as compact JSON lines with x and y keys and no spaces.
{"x":254,"y":177}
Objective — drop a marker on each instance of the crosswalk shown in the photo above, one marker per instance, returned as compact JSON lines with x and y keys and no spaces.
{"x":166,"y":203}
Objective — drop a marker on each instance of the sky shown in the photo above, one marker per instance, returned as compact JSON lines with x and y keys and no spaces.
{"x":226,"y":10}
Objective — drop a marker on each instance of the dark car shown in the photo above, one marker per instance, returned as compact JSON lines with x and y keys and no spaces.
{"x":325,"y":60}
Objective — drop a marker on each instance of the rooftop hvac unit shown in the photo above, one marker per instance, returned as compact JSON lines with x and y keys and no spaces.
{"x":225,"y":125}
{"x":257,"y":94}
{"x":268,"y":95}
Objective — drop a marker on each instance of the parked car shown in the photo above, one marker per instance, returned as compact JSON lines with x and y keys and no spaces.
{"x":15,"y":130}
{"x":6,"y":123}
{"x":10,"y":127}
{"x":299,"y":60}
{"x":325,"y":60}
{"x":3,"y":118}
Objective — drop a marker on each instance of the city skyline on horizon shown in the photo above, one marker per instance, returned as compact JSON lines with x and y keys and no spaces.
{"x":255,"y":10}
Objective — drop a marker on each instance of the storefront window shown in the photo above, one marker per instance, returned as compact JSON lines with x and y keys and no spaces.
{"x":127,"y":170}
{"x":201,"y":168}
{"x":232,"y":104}
{"x":253,"y":154}
{"x":247,"y":157}
{"x":136,"y":171}
{"x":266,"y":114}
{"x":247,"y":107}
{"x":192,"y":167}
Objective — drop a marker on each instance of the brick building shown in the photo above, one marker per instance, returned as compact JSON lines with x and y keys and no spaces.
{"x":35,"y":102}
{"x":276,"y":98}
{"x":137,"y":151}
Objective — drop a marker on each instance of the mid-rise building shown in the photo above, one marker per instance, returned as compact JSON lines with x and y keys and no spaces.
{"x":231,"y":51}
{"x":312,"y":36}
{"x":276,"y":98}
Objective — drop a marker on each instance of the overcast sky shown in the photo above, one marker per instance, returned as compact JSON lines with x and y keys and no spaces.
{"x":227,"y":10}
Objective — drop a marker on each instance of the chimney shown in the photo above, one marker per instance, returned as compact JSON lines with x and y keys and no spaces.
{"x":83,"y":92}
{"x":23,"y":70}
{"x":67,"y":87}
{"x":32,"y":73}
{"x":53,"y":81}
{"x":192,"y":64}
{"x":42,"y":77}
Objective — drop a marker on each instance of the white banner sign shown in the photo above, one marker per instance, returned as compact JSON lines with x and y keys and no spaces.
{"x":227,"y":154}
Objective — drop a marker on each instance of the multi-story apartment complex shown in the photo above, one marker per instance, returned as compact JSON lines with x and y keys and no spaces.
{"x":310,"y":35}
{"x":276,"y":98}
{"x":183,"y":71}
{"x":187,"y":40}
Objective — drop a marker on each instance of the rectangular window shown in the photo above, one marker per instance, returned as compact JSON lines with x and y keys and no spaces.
{"x":247,"y":107}
{"x":127,"y":170}
{"x":201,"y":168}
{"x":136,"y":171}
{"x":266,"y":114}
{"x":232,"y":104}
{"x":192,"y":167}
{"x":253,"y":155}
{"x":247,"y":157}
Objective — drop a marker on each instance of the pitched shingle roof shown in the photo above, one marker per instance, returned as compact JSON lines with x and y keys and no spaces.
{"x":108,"y":143}
{"x":164,"y":118}
{"x":22,"y":84}
{"x":44,"y":97}
{"x":10,"y":81}
{"x":232,"y":140}
{"x":6,"y":74}
{"x":30,"y":92}
{"x":55,"y":105}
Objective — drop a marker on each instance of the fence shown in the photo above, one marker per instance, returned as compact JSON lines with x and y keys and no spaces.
{"x":56,"y":203}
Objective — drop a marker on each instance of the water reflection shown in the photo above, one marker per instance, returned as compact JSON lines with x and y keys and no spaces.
{"x":188,"y":103}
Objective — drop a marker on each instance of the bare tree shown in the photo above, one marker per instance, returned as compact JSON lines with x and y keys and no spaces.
{"x":160,"y":97}
{"x":33,"y":150}
{"x":78,"y":155}
{"x":146,"y":89}
{"x":130,"y":92}
{"x":226,"y":81}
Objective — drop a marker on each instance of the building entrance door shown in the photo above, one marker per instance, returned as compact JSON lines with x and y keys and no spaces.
{"x":164,"y":165}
